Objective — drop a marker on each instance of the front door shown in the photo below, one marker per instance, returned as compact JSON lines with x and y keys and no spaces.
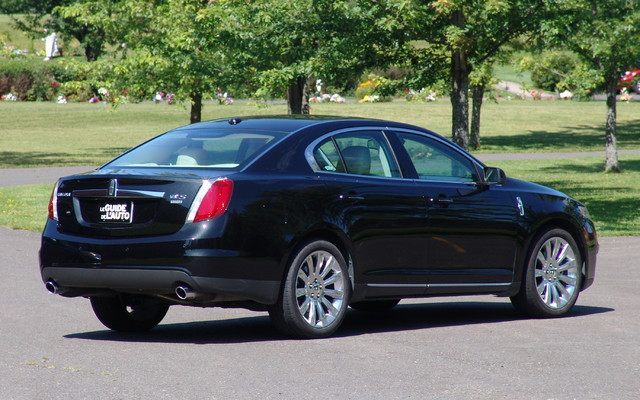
{"x":471,"y":228}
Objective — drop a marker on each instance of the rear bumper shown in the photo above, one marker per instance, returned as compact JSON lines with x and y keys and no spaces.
{"x":156,"y":281}
{"x":80,"y":266}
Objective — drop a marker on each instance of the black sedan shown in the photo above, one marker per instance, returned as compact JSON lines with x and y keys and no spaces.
{"x":303,"y":217}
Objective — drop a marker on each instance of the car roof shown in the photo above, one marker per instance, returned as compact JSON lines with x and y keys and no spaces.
{"x":282,"y":123}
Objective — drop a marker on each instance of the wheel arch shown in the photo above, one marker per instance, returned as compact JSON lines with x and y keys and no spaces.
{"x":552,"y":223}
{"x":321,"y":233}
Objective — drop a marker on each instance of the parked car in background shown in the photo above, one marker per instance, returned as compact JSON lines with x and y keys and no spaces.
{"x":630,"y":80}
{"x":303,"y":217}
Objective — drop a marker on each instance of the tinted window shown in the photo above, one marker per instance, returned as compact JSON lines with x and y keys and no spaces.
{"x":360,"y":153}
{"x":436,"y":161}
{"x":327,"y":157}
{"x":199,"y":148}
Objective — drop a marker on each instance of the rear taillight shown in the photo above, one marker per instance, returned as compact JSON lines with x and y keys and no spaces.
{"x":211,"y":201}
{"x":53,"y":204}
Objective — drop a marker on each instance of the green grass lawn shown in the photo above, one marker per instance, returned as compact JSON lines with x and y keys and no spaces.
{"x":16,"y":38}
{"x":47,"y":134}
{"x":24,"y":207}
{"x":612,"y":199}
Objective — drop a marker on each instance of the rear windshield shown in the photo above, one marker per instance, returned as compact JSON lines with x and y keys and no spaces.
{"x":200,"y":148}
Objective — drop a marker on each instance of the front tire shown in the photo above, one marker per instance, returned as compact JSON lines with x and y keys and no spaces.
{"x":128,"y":313}
{"x":552,"y":276}
{"x":315,"y":294}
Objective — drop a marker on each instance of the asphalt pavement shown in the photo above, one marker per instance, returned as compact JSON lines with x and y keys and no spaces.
{"x":445,"y":348}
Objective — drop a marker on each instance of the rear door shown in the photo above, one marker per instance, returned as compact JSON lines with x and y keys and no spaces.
{"x":381,"y":212}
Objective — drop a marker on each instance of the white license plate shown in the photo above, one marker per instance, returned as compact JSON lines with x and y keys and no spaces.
{"x":116,"y":212}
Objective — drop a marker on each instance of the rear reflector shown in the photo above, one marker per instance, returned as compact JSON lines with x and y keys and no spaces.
{"x":211,"y":201}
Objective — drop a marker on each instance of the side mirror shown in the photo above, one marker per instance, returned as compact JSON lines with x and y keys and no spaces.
{"x":494,"y":176}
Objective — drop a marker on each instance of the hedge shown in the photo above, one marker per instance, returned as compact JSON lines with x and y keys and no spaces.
{"x":30,"y":79}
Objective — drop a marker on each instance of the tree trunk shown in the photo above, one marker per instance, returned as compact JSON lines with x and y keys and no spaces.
{"x":298,"y":97}
{"x":477,"y":95}
{"x":92,"y":53}
{"x":611,"y":149}
{"x":460,"y":70}
{"x":92,"y":41}
{"x":196,"y":107}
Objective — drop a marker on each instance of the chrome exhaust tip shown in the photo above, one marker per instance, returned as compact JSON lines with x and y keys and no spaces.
{"x":52,"y":287}
{"x":185,"y":293}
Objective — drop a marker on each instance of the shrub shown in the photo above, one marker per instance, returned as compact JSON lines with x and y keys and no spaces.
{"x":29,"y":80}
{"x":549,"y":69}
{"x":376,"y":88}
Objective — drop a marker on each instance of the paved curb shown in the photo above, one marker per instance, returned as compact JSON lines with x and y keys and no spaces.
{"x":27,"y":176}
{"x":546,"y":156}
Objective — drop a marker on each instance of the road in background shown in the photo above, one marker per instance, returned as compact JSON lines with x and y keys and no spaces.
{"x":27,"y":176}
{"x":448,"y":348}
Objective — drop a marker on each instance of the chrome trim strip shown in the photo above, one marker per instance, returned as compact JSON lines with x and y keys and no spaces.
{"x":117,"y":192}
{"x":398,"y":285}
{"x":468,"y":284}
{"x":435,"y":285}
{"x":148,"y":193}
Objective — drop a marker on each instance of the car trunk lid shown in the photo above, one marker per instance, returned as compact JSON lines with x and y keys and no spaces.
{"x":126,"y":203}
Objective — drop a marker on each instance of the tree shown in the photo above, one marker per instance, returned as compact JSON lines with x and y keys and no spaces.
{"x":606,"y":38}
{"x":289,"y":42}
{"x":481,"y":79}
{"x":468,"y":33}
{"x":70,"y":18}
{"x":177,"y":46}
{"x":192,"y":47}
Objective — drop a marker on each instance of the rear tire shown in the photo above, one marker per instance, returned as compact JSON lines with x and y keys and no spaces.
{"x":552,"y":276}
{"x":315,"y":294}
{"x":128,"y":313}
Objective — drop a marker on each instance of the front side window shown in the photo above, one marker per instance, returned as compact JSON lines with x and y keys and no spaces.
{"x":199,"y":148}
{"x":358,"y":153}
{"x":435,"y":161}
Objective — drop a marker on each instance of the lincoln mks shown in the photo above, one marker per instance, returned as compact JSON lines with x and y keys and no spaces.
{"x":304,"y":217}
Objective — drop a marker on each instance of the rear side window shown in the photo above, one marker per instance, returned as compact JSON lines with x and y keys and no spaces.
{"x":199,"y":148}
{"x":358,"y":153}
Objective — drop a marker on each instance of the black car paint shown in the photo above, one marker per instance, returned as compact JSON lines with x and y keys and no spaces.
{"x":402,"y":236}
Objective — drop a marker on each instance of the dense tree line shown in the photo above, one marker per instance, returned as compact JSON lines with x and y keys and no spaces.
{"x":276,"y":47}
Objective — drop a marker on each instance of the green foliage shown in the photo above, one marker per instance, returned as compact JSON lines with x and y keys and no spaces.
{"x":276,"y":44}
{"x":27,"y":6}
{"x":384,"y":89}
{"x":30,"y":81}
{"x":604,"y":37}
{"x":550,"y":70}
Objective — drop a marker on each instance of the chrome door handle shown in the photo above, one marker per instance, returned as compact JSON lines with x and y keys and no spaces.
{"x":441,"y":200}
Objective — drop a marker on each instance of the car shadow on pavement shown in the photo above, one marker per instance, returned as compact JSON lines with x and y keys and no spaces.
{"x":404,"y":317}
{"x":448,"y":314}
